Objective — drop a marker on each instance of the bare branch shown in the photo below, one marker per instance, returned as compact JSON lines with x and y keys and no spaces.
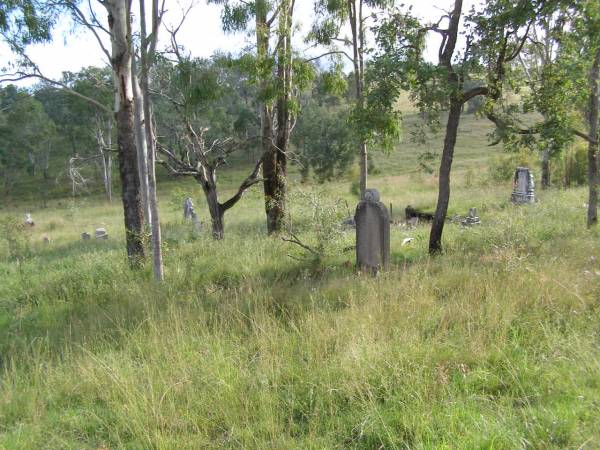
{"x":250,"y":181}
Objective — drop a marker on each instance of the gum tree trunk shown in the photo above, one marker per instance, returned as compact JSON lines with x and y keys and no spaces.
{"x":593,"y":156}
{"x":437,"y":227}
{"x":545,"y":169}
{"x":275,"y":162}
{"x":120,"y":28}
{"x":142,"y":143}
{"x":147,"y":59}
{"x":357,"y":27}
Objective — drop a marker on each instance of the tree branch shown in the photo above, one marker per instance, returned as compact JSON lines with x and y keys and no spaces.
{"x":251,"y":180}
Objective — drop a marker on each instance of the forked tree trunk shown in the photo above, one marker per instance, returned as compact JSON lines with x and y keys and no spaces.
{"x":216,"y":212}
{"x":593,"y":155}
{"x":120,"y":28}
{"x":437,"y":227}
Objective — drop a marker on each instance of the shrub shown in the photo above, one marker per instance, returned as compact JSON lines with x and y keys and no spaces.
{"x":571,"y":168}
{"x":502,"y":167}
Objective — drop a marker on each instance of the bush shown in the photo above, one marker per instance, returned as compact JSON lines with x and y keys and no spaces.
{"x":571,"y":168}
{"x":502,"y":167}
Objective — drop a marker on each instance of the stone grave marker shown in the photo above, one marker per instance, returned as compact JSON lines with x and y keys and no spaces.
{"x":101,"y":233}
{"x":523,"y":186}
{"x":372,"y":233}
{"x":190,"y":213}
{"x":472,"y":218}
{"x":28,"y":220}
{"x":85,"y":236}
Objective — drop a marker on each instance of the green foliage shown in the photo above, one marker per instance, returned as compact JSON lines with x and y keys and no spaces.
{"x":502,"y":167}
{"x":571,"y":167}
{"x":324,"y":140}
{"x":15,"y":238}
{"x":27,"y":134}
{"x":26,"y":21}
{"x":317,"y":219}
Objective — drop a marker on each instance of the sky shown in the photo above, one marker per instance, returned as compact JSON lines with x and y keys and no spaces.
{"x":74,"y":48}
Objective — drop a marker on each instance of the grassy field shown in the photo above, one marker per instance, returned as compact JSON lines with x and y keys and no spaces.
{"x":493,"y":345}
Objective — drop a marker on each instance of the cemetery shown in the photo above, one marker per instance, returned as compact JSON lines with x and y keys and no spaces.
{"x":299,"y":225}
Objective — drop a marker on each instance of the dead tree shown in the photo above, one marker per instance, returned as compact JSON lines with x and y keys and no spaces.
{"x":198,"y":162}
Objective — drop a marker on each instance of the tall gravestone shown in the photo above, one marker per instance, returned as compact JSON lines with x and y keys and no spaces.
{"x":188,"y":208}
{"x":190,"y":213}
{"x":523,"y":186}
{"x":372,"y":233}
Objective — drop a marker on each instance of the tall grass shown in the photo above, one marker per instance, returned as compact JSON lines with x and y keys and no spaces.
{"x":492,"y":345}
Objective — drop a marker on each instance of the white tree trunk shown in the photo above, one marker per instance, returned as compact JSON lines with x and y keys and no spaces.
{"x":142,"y":144}
{"x":147,"y":59}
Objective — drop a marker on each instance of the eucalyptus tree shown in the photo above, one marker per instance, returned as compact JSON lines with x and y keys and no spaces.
{"x":27,"y":137}
{"x":23,"y":22}
{"x":275,"y":72}
{"x":565,"y":92}
{"x":332,"y":18}
{"x":582,"y":65}
{"x":538,"y":60}
{"x":481,"y":48}
{"x":193,"y":87}
{"x":87,"y":127}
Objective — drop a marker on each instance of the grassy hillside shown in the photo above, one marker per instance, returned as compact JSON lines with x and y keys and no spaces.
{"x":492,"y":345}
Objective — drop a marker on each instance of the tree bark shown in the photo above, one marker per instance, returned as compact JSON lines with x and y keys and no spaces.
{"x":276,"y":181}
{"x":357,"y":29}
{"x":142,"y":143}
{"x":545,"y":169}
{"x":593,"y":155}
{"x":275,"y":147}
{"x":147,"y":59}
{"x":120,"y":28}
{"x":216,"y":212}
{"x":437,"y":226}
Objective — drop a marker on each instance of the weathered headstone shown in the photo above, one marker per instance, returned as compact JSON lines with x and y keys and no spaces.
{"x":188,"y":208}
{"x":28,"y":220}
{"x":523,"y":186}
{"x":372,"y":233}
{"x":101,"y":233}
{"x":472,"y":218}
{"x":190,"y":213}
{"x":85,"y":236}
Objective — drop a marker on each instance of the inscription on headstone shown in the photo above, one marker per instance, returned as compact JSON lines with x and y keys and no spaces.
{"x":523,"y":186}
{"x":372,"y":233}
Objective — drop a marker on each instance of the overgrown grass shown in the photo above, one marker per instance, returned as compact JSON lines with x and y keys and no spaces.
{"x":492,"y":345}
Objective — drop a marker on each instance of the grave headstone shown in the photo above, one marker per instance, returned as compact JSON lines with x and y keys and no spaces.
{"x":188,"y":208}
{"x":472,"y":218}
{"x":523,"y":186}
{"x":190,"y":213}
{"x":101,"y":233}
{"x":28,"y":220}
{"x":372,"y":233}
{"x":85,"y":236}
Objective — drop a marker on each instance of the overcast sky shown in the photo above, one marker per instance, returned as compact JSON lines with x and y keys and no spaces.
{"x":72,"y":49}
